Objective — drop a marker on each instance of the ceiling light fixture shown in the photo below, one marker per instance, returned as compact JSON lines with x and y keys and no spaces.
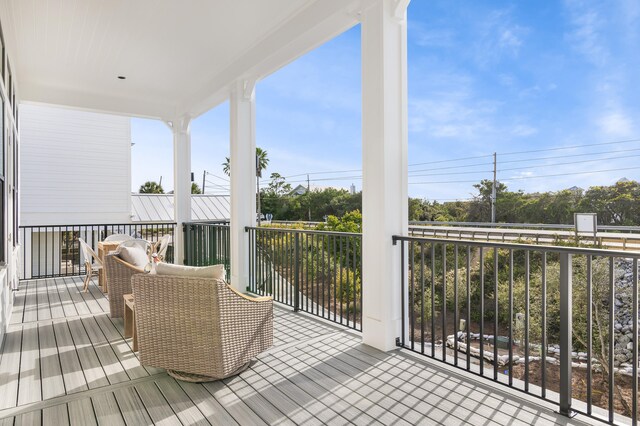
{"x":122,"y":77}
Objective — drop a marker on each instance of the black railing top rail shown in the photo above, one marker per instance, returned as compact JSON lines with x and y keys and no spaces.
{"x":517,"y":246}
{"x":303,"y":231}
{"x":208,"y":222}
{"x":99,"y":224}
{"x":549,"y":226}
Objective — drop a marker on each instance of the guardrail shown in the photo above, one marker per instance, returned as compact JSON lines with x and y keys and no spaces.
{"x":207,"y":243}
{"x":559,"y":323}
{"x":316,"y":272}
{"x":548,"y":226}
{"x":53,"y":250}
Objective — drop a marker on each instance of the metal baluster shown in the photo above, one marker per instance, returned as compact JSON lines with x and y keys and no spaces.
{"x":468,"y":308}
{"x":526,"y":319}
{"x":510,"y":317}
{"x":495,"y":313}
{"x":589,"y":332}
{"x":566,"y":317}
{"x":444,"y":302}
{"x":543,"y":344}
{"x":455,"y":303}
{"x":422,"y":318}
{"x":482,"y":311}
{"x":433,"y":300}
{"x":612,"y":300}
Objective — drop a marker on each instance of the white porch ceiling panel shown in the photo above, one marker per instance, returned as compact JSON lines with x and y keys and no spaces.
{"x":178,"y":57}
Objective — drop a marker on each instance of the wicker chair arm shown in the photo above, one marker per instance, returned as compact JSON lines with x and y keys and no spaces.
{"x":256,"y":299}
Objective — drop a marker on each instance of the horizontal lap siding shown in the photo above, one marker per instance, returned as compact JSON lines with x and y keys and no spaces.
{"x":75,"y":166}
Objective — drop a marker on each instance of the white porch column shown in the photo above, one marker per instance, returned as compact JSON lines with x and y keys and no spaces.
{"x":181,"y":181}
{"x":243,"y":178}
{"x":384,"y":164}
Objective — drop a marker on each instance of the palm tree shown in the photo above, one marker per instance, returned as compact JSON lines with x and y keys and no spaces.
{"x":261,"y":162}
{"x":151,"y":187}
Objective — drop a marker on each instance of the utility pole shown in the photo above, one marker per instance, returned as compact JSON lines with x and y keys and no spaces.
{"x":309,"y":196}
{"x":493,"y":191}
{"x":204,"y":175}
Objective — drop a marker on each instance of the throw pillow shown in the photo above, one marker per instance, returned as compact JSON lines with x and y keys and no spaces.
{"x":214,"y":271}
{"x":134,"y":255}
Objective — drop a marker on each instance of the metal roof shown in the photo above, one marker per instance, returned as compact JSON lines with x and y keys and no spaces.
{"x":159,"y":207}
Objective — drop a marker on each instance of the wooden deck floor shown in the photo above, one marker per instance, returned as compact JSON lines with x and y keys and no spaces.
{"x":64,"y":361}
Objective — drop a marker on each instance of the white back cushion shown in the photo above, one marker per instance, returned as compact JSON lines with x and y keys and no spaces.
{"x":214,"y":271}
{"x":134,"y":255}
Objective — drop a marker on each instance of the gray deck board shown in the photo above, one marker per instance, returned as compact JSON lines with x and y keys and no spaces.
{"x":55,"y":416}
{"x":55,"y":303}
{"x":29,"y":389}
{"x":67,"y":302}
{"x":121,"y":348}
{"x":29,"y":419}
{"x":81,"y":412}
{"x":159,"y":410}
{"x":132,"y":408}
{"x":107,"y":410}
{"x":30,"y":303}
{"x":93,"y":371}
{"x":10,"y":368}
{"x":181,"y":404}
{"x":111,"y":365}
{"x":51,"y":373}
{"x":65,"y":361}
{"x":42,"y":297}
{"x":72,"y":374}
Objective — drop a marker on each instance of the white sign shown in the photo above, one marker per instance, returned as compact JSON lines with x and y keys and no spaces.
{"x":586,"y":223}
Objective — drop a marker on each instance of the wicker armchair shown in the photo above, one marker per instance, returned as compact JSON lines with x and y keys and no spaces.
{"x":199,"y":329}
{"x":118,"y":276}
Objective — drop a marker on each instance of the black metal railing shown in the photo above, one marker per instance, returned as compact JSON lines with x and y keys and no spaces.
{"x":312,"y":271}
{"x":207,"y":243}
{"x":54,"y":251}
{"x":559,"y":323}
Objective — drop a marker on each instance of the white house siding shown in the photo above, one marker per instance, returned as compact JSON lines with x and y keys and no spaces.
{"x":75,"y":167}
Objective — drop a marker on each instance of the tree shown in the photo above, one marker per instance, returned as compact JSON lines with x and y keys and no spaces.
{"x":277,"y":187}
{"x":151,"y":187}
{"x":195,"y":189}
{"x":262,"y":162}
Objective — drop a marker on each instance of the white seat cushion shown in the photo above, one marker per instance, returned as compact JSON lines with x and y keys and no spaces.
{"x":214,"y":271}
{"x":134,"y":255}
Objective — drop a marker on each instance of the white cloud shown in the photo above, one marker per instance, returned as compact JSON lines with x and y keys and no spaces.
{"x":432,"y":37}
{"x":585,"y":36}
{"x":523,"y":130}
{"x":499,"y":36}
{"x":615,"y":124}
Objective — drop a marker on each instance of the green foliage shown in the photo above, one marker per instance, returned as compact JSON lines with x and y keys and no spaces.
{"x":617,"y":204}
{"x":195,"y":189}
{"x":261,"y":159}
{"x":151,"y":187}
{"x":350,"y":222}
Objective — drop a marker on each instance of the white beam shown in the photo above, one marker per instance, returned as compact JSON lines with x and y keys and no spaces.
{"x":384,"y":164}
{"x":243,"y":178}
{"x":181,"y":128}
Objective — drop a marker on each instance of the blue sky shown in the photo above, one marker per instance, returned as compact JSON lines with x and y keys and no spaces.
{"x":527,"y":80}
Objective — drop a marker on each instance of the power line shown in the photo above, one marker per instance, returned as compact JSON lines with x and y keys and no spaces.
{"x":569,"y":156}
{"x":529,"y":177}
{"x":455,"y":159}
{"x":567,"y":163}
{"x":570,"y":147}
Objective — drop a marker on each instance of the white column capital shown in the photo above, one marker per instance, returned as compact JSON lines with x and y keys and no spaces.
{"x":399,"y":10}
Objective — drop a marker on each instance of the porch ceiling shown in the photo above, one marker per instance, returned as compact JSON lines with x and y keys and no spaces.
{"x":178,"y":57}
